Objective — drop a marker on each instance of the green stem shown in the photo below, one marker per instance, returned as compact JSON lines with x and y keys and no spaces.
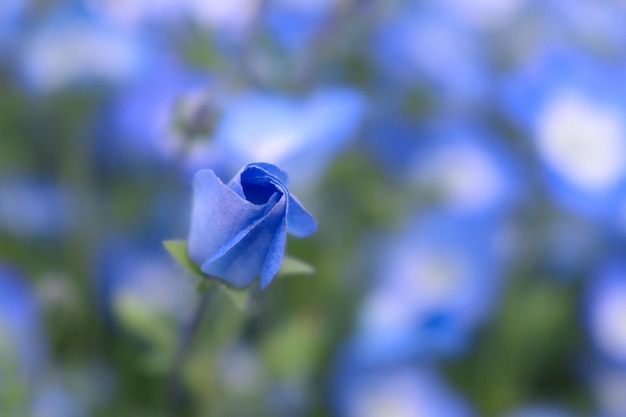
{"x":174,"y":385}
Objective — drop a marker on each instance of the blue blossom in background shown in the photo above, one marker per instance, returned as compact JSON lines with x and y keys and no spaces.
{"x":73,"y":48}
{"x":294,"y":22}
{"x":138,"y":13}
{"x":302,"y":136}
{"x":238,"y":231}
{"x":227,"y":20}
{"x":468,"y":173}
{"x":362,"y":390}
{"x":427,"y":48}
{"x":483,"y":14}
{"x":606,"y":310}
{"x":574,"y":109}
{"x":32,"y":207}
{"x":392,"y":143}
{"x":11,"y":23}
{"x":145,"y":120}
{"x":22,"y":345}
{"x":598,"y":24}
{"x":73,"y":391}
{"x":55,"y":400}
{"x":437,"y":281}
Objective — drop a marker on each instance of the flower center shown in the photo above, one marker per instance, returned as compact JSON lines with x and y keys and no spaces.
{"x":257,"y":186}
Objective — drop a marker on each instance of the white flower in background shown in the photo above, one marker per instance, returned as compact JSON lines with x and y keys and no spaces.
{"x":436,"y":282}
{"x":302,"y":136}
{"x":229,"y":16}
{"x":467,"y":177}
{"x":583,"y":141}
{"x":75,"y":50}
{"x":606,"y":311}
{"x":401,"y":392}
{"x":133,"y":12}
{"x":394,"y":398}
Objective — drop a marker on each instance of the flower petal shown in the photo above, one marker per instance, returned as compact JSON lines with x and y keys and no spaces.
{"x":275,"y":253}
{"x":301,"y":222}
{"x":272,"y":170}
{"x":241,"y":263}
{"x":258,"y":170}
{"x":218,"y":215}
{"x":244,"y":232}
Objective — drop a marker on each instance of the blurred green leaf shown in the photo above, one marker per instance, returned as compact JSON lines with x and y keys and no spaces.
{"x":291,"y":350}
{"x":293,"y":266}
{"x":178,"y":249}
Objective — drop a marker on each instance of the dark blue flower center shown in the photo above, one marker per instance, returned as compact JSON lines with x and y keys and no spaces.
{"x":257,"y":186}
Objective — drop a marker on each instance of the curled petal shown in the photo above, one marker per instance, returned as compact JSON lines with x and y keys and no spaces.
{"x":240,"y":263}
{"x":218,"y":215}
{"x":301,"y":222}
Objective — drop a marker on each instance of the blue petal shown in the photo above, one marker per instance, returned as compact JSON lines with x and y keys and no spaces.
{"x":301,"y":222}
{"x":257,"y":171}
{"x":275,"y":253}
{"x":242,"y":262}
{"x":228,"y":245}
{"x":218,"y":215}
{"x":272,"y":170}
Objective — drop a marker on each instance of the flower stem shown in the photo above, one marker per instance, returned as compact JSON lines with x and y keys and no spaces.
{"x":185,"y":342}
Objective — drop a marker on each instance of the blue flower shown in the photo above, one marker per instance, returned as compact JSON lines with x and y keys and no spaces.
{"x":12,"y":22}
{"x":143,"y":122}
{"x":295,"y":23}
{"x":363,"y":389}
{"x":22,"y":342}
{"x":238,"y":231}
{"x":469,"y":172}
{"x":74,"y":49}
{"x":437,"y":281}
{"x":420,"y":47}
{"x":302,"y":135}
{"x":606,"y":309}
{"x":572,"y":105}
{"x":585,"y":22}
{"x":33,"y":207}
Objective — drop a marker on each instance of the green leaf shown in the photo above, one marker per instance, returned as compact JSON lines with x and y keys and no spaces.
{"x":293,"y":266}
{"x":178,"y":249}
{"x":239,"y":297}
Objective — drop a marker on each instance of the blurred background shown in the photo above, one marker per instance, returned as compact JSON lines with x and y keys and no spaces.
{"x":465,"y":159}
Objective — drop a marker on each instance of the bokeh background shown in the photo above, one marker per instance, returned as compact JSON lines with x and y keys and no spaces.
{"x":465,"y":159}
